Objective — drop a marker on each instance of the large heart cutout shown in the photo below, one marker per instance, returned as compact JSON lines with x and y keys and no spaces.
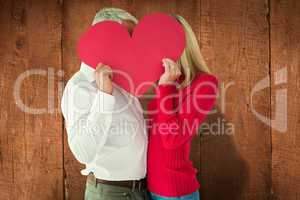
{"x":137,"y":59}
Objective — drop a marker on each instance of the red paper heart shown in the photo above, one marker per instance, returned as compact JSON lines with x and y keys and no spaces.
{"x":136,"y":60}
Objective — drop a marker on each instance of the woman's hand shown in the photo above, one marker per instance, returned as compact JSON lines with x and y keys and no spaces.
{"x":103,"y":76}
{"x":172,"y":72}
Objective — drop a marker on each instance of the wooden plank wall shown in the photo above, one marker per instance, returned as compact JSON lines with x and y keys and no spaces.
{"x":31,"y":144}
{"x":285,"y":51}
{"x":243,"y":42}
{"x":234,"y":39}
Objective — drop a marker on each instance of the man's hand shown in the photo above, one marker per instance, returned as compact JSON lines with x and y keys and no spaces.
{"x":172,"y":72}
{"x":103,"y":76}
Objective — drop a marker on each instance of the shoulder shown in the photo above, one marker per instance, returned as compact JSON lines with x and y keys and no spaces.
{"x":77,"y":96}
{"x":77,"y":79}
{"x":204,"y":82}
{"x":78,"y":87}
{"x":202,"y":77}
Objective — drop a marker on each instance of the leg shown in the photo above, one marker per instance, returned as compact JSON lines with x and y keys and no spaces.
{"x":140,"y":195}
{"x":91,"y":192}
{"x":98,"y":191}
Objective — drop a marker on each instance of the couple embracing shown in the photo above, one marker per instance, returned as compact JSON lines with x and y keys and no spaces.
{"x":129,"y":155}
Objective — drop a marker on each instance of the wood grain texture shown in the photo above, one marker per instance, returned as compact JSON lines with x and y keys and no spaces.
{"x":285,"y":65}
{"x":243,"y":42}
{"x":234,"y":42}
{"x":30,"y":144}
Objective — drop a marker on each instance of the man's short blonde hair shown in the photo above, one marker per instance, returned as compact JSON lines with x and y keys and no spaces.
{"x":115,"y":14}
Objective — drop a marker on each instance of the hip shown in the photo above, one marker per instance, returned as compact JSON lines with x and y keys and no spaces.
{"x":104,"y":191}
{"x":192,"y":196}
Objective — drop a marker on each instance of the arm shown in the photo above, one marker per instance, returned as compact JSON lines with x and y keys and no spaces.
{"x":178,"y":127}
{"x":88,"y":115}
{"x":86,"y":125}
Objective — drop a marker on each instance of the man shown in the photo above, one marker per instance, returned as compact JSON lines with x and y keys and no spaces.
{"x":106,"y":129}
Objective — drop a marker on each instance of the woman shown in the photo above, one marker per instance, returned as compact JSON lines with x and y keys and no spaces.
{"x":186,"y":92}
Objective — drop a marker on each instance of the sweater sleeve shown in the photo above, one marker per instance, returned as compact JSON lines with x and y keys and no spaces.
{"x":178,"y":123}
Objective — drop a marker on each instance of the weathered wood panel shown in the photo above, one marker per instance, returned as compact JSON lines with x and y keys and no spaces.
{"x":234,"y":39}
{"x":30,"y":144}
{"x":285,"y":87}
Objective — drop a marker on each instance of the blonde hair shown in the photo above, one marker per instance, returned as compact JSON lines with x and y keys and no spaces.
{"x":191,"y":60}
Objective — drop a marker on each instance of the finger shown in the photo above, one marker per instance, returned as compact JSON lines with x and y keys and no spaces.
{"x":102,"y":68}
{"x":99,"y":66}
{"x":105,"y":70}
{"x":164,"y":62}
{"x":110,"y":73}
{"x":168,"y":60}
{"x":107,"y":66}
{"x":172,"y":66}
{"x":175,"y":67}
{"x":168,"y":68}
{"x":164,"y":59}
{"x":166,"y":65}
{"x":178,"y":71}
{"x":171,"y":62}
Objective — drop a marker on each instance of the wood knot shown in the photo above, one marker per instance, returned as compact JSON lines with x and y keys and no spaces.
{"x":20,"y":43}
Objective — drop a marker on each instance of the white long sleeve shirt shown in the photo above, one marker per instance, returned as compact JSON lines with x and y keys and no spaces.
{"x":106,"y":132}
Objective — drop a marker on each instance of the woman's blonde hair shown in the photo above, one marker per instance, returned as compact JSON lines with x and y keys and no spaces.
{"x":191,"y":60}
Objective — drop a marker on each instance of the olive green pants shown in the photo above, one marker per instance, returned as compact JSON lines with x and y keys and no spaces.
{"x":99,"y":191}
